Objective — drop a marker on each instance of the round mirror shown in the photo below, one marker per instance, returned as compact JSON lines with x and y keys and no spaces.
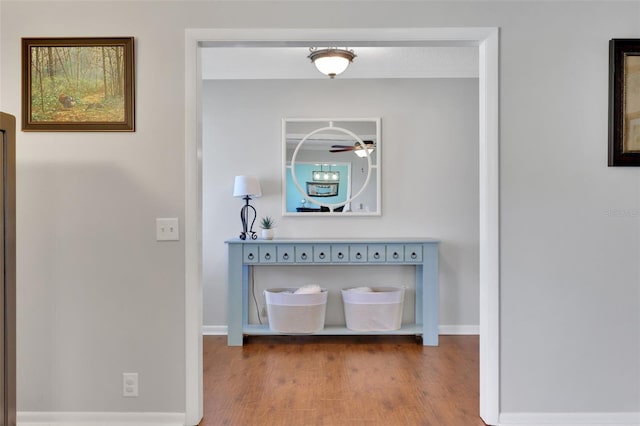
{"x":329,"y":177}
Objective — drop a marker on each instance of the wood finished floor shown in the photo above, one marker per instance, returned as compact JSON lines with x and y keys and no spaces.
{"x":342,"y":380}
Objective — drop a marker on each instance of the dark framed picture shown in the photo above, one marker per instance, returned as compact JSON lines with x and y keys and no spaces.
{"x":325,"y":189}
{"x":78,"y":84}
{"x":624,"y":102}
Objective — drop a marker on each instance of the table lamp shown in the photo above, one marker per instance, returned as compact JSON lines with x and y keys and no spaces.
{"x":247,"y":187}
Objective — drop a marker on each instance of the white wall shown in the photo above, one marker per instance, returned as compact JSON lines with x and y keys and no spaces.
{"x":429,"y":156}
{"x":98,"y":296}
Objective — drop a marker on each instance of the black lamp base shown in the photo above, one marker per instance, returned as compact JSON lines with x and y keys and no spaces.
{"x":247,"y":231}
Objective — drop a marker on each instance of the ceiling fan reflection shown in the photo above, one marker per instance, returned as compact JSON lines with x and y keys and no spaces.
{"x":355,"y":147}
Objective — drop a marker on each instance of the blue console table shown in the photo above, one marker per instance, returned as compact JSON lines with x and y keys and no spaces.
{"x":422,"y":253}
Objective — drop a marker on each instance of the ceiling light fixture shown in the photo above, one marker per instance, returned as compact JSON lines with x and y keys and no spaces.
{"x":325,"y":175}
{"x":332,"y":60}
{"x":362,"y":153}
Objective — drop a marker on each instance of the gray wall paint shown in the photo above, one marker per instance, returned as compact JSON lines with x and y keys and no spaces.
{"x":429,"y":175}
{"x":570,"y":276}
{"x":95,"y":289}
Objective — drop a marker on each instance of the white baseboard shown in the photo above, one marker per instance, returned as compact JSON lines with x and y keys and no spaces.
{"x":570,"y":419}
{"x":474,"y":330}
{"x":214,"y":330}
{"x":29,"y":418}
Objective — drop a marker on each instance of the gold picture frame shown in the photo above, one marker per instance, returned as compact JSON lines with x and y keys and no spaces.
{"x":78,"y":84}
{"x":624,"y":102}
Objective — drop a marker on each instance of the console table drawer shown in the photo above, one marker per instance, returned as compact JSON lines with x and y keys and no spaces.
{"x":357,"y":253}
{"x":322,"y":253}
{"x":250,"y":254}
{"x":413,"y":253}
{"x":304,"y":253}
{"x":376,"y":253}
{"x":267,"y":254}
{"x":286,"y":254}
{"x":339,"y":253}
{"x":395,"y":253}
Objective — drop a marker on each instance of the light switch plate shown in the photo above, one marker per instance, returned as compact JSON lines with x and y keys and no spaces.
{"x":167,"y":229}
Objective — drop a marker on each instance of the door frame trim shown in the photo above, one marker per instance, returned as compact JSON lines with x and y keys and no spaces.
{"x":487,"y":40}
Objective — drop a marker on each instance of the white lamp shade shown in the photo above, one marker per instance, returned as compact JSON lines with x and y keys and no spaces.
{"x":331,"y":65}
{"x":247,"y":186}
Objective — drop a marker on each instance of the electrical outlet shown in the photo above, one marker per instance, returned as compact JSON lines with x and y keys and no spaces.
{"x":167,"y":229}
{"x":130,"y":384}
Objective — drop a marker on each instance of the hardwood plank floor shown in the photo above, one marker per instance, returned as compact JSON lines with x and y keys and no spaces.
{"x":341,"y":380}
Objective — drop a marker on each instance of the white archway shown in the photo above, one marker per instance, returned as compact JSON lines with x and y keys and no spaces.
{"x":487,"y":40}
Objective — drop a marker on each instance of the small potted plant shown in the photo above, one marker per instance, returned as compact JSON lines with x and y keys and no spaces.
{"x":267,"y":224}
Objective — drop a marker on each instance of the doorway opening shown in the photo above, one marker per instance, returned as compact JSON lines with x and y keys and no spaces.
{"x":486,"y":40}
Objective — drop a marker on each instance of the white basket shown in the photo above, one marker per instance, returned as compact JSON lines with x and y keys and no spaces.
{"x":295,"y":313}
{"x":378,"y":310}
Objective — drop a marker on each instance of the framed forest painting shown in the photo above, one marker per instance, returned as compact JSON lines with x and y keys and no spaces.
{"x":78,"y":84}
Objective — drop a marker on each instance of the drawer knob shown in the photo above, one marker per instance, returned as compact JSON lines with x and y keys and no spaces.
{"x":250,"y":256}
{"x":321,"y":255}
{"x":340,"y":255}
{"x":285,"y":256}
{"x":413,"y":255}
{"x":303,"y":256}
{"x":395,"y":255}
{"x":376,"y":255}
{"x":358,"y":255}
{"x":267,"y":256}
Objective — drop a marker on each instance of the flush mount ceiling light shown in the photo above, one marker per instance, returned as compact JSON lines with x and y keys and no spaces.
{"x":332,"y":60}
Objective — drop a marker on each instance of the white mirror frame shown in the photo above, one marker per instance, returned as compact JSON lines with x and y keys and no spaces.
{"x":372,"y":167}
